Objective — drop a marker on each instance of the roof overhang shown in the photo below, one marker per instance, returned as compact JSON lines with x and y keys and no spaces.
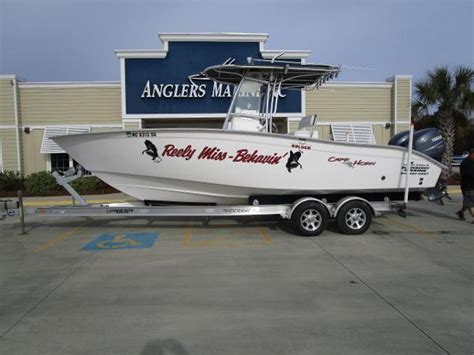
{"x":212,"y":37}
{"x":165,"y":38}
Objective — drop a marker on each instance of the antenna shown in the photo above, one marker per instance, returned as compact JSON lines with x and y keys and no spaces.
{"x":357,"y":68}
{"x":276,"y":57}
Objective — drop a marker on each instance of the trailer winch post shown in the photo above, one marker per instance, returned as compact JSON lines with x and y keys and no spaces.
{"x":22,"y":213}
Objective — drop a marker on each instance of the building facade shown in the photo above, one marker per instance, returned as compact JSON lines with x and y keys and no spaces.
{"x":164,"y":88}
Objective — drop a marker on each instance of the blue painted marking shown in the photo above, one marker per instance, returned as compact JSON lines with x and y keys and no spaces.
{"x":115,"y":241}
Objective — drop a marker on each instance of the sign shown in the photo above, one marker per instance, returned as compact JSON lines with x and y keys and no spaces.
{"x":156,"y":87}
{"x":115,"y":241}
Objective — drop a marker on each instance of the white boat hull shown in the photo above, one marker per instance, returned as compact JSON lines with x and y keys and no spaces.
{"x":226,"y":167}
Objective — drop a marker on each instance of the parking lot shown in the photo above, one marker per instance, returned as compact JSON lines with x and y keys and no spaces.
{"x":148,"y":286}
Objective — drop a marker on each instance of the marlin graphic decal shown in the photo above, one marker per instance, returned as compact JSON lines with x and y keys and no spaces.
{"x":293,"y":161}
{"x":152,"y":151}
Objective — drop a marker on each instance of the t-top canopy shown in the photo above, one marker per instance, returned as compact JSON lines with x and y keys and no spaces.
{"x":291,"y":75}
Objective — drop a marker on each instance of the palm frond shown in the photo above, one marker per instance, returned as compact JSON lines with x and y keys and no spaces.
{"x":464,"y":77}
{"x":425,"y":92}
{"x":419,"y":109}
{"x":442,"y":82}
{"x":466,"y":103}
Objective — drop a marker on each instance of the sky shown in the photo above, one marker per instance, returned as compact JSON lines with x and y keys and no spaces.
{"x":74,"y":40}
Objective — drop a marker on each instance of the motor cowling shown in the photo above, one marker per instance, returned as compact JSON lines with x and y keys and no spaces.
{"x":428,"y":141}
{"x":400,"y":139}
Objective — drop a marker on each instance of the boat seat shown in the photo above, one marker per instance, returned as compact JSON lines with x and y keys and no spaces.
{"x":239,"y":123}
{"x":307,"y":122}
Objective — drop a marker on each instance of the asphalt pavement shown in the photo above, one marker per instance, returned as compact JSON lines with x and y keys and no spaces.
{"x":178,"y":286}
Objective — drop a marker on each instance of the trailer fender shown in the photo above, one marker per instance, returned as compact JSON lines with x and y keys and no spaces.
{"x":306,"y":199}
{"x":337,"y":206}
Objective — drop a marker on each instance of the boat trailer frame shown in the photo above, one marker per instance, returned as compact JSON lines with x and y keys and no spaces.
{"x":9,"y":208}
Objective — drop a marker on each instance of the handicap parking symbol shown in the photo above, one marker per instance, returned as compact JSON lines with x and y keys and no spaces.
{"x":115,"y":241}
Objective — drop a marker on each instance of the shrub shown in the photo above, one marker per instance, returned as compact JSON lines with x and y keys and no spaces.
{"x":456,"y":176}
{"x":11,"y":181}
{"x":454,"y":179}
{"x":87,"y":184}
{"x":41,"y":183}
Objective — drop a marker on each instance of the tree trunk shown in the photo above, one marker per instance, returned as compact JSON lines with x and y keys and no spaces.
{"x":447,"y":126}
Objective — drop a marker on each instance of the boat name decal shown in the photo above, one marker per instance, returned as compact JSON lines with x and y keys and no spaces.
{"x":171,"y":151}
{"x":244,"y":156}
{"x":416,"y":169}
{"x":301,"y":146}
{"x":351,"y":163}
{"x":214,"y":153}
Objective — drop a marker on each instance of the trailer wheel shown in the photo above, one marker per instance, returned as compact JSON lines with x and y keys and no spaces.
{"x":354,"y":218}
{"x":310,"y":218}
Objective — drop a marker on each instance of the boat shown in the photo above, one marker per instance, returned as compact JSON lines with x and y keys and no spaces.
{"x":248,"y":157}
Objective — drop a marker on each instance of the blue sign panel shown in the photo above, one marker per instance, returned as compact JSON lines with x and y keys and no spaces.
{"x":157,"y":86}
{"x":115,"y":241}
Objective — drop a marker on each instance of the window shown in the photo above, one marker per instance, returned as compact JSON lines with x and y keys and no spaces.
{"x":59,"y":162}
{"x":247,"y":100}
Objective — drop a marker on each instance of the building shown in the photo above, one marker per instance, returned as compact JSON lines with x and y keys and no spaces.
{"x":162,"y":88}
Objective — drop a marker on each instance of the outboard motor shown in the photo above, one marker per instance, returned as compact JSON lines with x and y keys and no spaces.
{"x":428,"y":141}
{"x":437,"y":193}
{"x":400,"y":139}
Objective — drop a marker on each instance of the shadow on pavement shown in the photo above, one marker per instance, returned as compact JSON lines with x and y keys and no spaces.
{"x":164,"y":346}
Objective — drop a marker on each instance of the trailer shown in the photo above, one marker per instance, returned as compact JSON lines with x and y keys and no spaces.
{"x":309,"y":215}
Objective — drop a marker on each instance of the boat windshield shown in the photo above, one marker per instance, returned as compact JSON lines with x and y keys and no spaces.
{"x":248,"y":99}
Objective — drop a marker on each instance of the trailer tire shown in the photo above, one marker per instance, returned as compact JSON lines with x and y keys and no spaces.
{"x":310,"y":219}
{"x":354,"y":218}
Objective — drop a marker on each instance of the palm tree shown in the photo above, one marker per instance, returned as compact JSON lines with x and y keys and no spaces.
{"x":448,"y":98}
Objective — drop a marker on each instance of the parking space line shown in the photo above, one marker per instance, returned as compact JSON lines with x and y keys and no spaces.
{"x":49,"y":293}
{"x":59,"y":239}
{"x":229,"y":240}
{"x":412,"y":227}
{"x":187,"y":236}
{"x":265,"y":235}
